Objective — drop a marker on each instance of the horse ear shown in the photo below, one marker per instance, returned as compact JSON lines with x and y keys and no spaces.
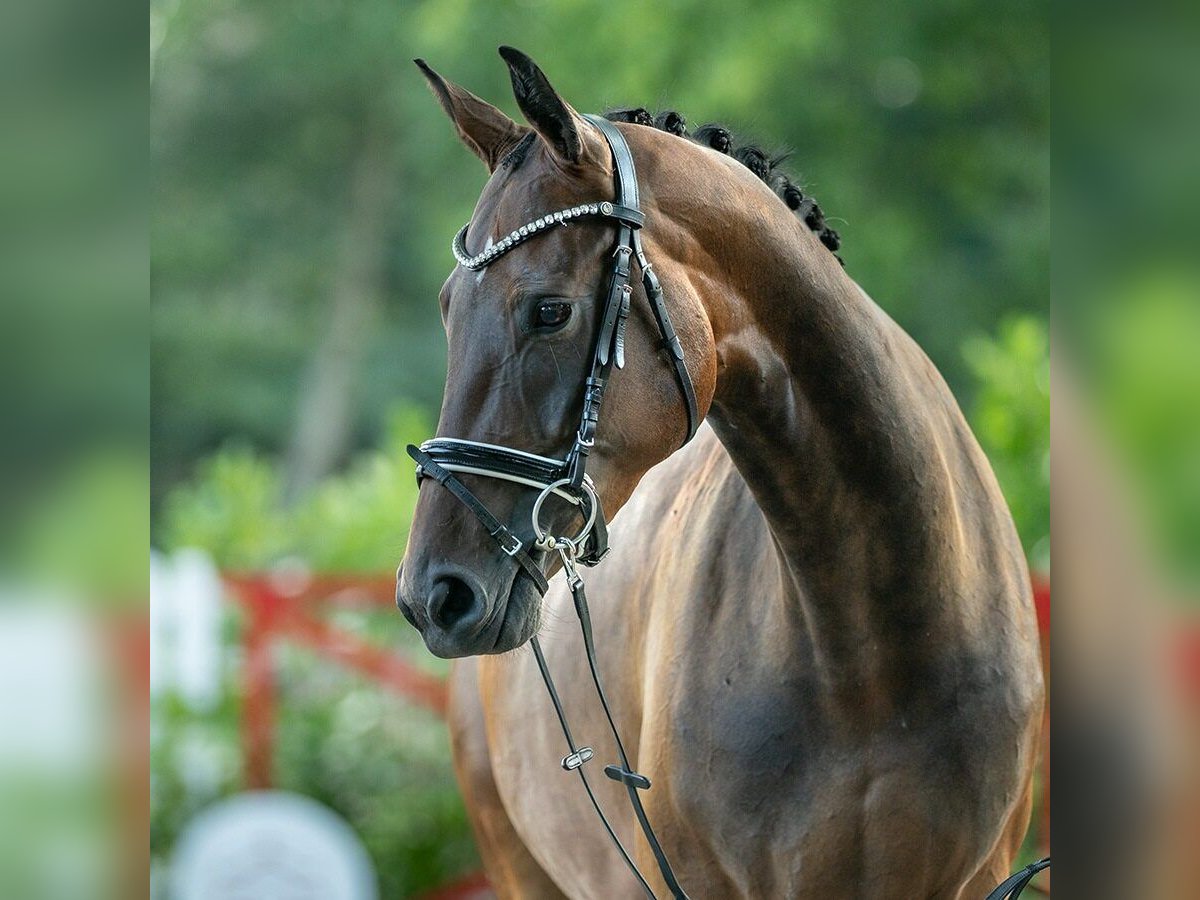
{"x":551,"y":117}
{"x":488,"y":132}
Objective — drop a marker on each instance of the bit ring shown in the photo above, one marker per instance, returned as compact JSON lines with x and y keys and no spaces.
{"x":547,"y":541}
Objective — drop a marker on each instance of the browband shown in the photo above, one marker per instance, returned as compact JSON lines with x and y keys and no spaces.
{"x":605,"y":208}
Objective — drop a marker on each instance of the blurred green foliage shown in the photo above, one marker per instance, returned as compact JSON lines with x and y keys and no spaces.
{"x":88,"y":532}
{"x":1011,"y":418}
{"x":1141,"y":354}
{"x":1127,"y":268}
{"x":301,"y":167}
{"x":356,"y":521}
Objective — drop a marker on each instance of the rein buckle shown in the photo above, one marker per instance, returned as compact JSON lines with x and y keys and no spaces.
{"x":574,"y":760}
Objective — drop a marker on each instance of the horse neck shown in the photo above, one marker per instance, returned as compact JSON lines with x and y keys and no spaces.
{"x":849,"y":439}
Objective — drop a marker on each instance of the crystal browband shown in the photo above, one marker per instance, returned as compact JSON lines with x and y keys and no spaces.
{"x":458,"y":246}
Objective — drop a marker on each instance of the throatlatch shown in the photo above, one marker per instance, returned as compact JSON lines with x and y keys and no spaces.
{"x":444,"y":459}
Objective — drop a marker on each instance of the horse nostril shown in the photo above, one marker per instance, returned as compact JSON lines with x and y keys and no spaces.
{"x":453,"y":602}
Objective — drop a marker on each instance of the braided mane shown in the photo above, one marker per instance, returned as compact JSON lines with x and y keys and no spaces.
{"x":755,"y":159}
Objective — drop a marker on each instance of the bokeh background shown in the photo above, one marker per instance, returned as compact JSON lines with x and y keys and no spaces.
{"x":306,"y":187}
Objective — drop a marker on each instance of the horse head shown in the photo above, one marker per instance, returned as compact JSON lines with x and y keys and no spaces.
{"x":521,"y":328}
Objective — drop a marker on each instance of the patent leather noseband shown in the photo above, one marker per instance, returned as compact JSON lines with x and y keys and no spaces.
{"x":444,"y":459}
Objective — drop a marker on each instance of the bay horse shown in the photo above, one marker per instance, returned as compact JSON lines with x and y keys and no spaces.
{"x":815,"y":623}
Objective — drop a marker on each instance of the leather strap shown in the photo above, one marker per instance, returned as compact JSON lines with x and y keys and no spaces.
{"x":509,"y":542}
{"x":610,"y":340}
{"x":627,"y":194}
{"x":491,"y":461}
{"x":627,"y":183}
{"x":631,"y":216}
{"x":671,"y":344}
{"x":1012,"y":886}
{"x":576,"y":758}
{"x":622,"y":773}
{"x":504,"y":461}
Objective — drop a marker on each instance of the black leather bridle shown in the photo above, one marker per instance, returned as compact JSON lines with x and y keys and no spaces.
{"x":444,"y":459}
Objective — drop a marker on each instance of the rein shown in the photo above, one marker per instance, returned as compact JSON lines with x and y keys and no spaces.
{"x":443,"y":459}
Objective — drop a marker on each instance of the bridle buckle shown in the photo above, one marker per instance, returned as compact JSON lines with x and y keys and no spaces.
{"x":510,"y":543}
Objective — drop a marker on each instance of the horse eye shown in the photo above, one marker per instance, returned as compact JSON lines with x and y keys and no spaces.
{"x":551,"y":314}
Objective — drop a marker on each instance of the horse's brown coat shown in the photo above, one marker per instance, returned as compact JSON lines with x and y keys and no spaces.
{"x":815,"y":624}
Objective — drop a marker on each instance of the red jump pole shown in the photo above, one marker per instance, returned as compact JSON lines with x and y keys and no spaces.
{"x":258,"y":704}
{"x":1041,"y":601}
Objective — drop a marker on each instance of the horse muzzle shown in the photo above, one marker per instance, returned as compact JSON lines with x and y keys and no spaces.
{"x":458,"y":616}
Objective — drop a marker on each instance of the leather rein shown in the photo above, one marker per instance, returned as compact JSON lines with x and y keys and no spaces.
{"x":444,"y":459}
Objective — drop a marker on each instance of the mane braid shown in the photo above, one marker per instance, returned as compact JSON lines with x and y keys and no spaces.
{"x":754,"y":158}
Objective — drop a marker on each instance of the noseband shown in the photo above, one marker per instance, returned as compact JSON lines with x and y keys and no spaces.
{"x":444,"y":459}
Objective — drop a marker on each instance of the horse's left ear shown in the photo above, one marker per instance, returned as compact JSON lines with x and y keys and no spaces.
{"x":563,"y":129}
